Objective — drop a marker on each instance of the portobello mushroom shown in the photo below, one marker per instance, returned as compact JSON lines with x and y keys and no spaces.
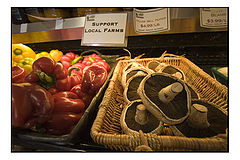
{"x":135,"y":117}
{"x":130,"y":91}
{"x":172,"y":111}
{"x":129,"y":72}
{"x":205,"y":120}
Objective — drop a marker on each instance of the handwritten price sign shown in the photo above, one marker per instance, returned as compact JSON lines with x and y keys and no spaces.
{"x":214,"y":17}
{"x":151,"y":20}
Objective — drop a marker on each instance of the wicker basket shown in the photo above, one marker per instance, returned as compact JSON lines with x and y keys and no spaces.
{"x":106,"y":129}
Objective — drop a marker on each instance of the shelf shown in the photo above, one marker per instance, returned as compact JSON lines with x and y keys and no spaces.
{"x":182,"y":20}
{"x":77,"y":22}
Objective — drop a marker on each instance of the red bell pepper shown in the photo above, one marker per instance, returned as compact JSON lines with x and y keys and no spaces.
{"x":75,"y":74}
{"x":18,"y":74}
{"x":52,"y":90}
{"x":70,"y":59}
{"x":93,"y":78}
{"x":80,"y":67}
{"x":104,"y":65}
{"x":86,"y":97}
{"x":49,"y":74}
{"x":96,"y":59}
{"x":89,"y":60}
{"x":31,"y":105}
{"x":66,"y":94}
{"x":68,"y":110}
{"x":67,"y":102}
{"x":78,"y":90}
{"x":61,"y":123}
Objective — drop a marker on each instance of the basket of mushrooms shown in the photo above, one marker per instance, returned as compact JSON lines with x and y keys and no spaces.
{"x":162,"y":104}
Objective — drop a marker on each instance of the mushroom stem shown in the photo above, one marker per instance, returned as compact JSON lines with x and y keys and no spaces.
{"x":141,"y":114}
{"x":168,"y":93}
{"x":198,"y":117}
{"x":159,"y":67}
{"x":177,"y":75}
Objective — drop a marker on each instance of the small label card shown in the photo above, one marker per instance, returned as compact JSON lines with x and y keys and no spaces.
{"x":59,"y":24}
{"x":23,"y":28}
{"x":214,"y":17}
{"x":105,"y":30}
{"x":151,"y":20}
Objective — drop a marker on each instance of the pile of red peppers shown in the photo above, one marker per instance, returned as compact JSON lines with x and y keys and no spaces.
{"x":54,"y":95}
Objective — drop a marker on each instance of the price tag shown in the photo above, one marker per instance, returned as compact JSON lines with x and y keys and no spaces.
{"x":105,"y":29}
{"x":23,"y":28}
{"x":59,"y":24}
{"x":213,"y":17}
{"x":151,"y":20}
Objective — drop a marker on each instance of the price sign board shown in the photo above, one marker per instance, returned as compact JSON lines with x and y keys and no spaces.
{"x":213,"y":17}
{"x":151,"y":20}
{"x":105,"y":29}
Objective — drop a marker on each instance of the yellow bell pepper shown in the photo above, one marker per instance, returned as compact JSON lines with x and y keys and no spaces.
{"x":42,"y":54}
{"x":26,"y":63}
{"x":21,"y":51}
{"x":14,"y":63}
{"x":56,"y":54}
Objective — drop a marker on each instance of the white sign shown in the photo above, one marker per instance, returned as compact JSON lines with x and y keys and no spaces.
{"x":59,"y":24}
{"x":23,"y":28}
{"x":214,"y":17}
{"x":151,"y":20}
{"x":105,"y":29}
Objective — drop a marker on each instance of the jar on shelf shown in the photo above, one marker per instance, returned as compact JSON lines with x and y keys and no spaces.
{"x":31,"y":12}
{"x":80,"y":12}
{"x":107,"y":10}
{"x":56,"y":12}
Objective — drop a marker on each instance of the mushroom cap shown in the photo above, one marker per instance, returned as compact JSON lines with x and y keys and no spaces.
{"x":132,"y":65}
{"x":171,"y":113}
{"x":152,"y":65}
{"x":131,"y":72}
{"x":216,"y":118}
{"x":130,"y":126}
{"x":130,"y":91}
{"x":170,"y":69}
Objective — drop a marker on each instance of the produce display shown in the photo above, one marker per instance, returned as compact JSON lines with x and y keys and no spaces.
{"x":153,"y":94}
{"x":51,"y":91}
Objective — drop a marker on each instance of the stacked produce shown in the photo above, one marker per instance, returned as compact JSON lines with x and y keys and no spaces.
{"x":158,"y":99}
{"x":51,"y":91}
